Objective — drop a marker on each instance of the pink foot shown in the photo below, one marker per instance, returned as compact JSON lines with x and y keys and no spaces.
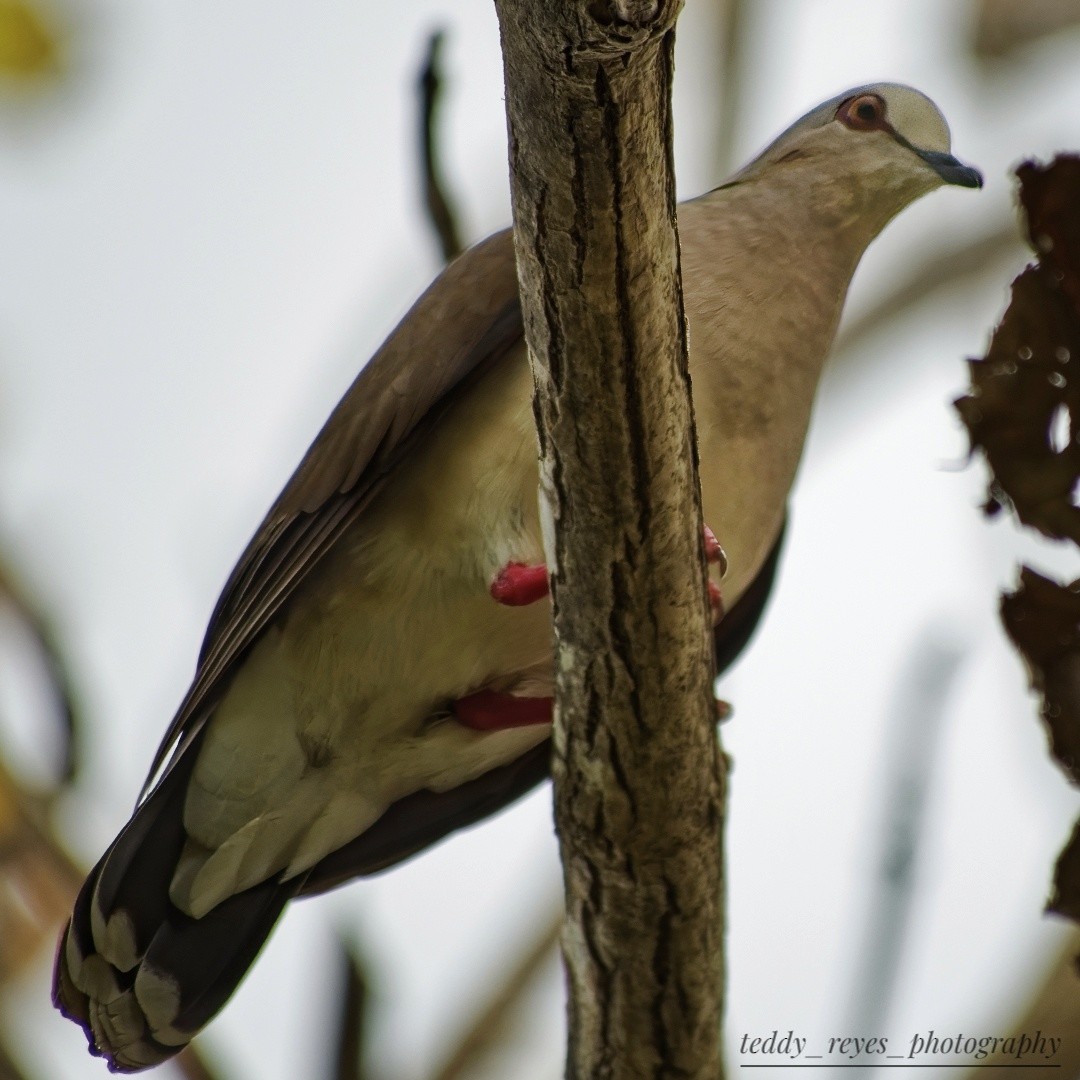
{"x":489,"y":710}
{"x":714,"y":555}
{"x":517,"y":584}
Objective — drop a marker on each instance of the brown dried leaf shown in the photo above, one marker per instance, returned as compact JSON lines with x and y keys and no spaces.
{"x":1043,"y":620}
{"x":1018,"y":392}
{"x":1066,"y":898}
{"x":1023,"y":413}
{"x":1024,"y":403}
{"x":1049,"y":195}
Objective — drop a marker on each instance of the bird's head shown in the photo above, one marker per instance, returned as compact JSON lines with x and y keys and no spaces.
{"x":885,"y":144}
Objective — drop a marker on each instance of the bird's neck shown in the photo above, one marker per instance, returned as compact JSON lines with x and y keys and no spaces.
{"x":764,"y":281}
{"x":773,"y":271}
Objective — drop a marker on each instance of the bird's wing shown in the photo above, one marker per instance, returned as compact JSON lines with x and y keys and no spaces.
{"x":464,"y":324}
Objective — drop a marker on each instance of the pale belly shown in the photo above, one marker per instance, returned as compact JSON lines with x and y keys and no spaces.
{"x":343,"y":707}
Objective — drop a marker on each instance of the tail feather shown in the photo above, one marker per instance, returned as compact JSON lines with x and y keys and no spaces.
{"x":139,"y":975}
{"x":194,"y":965}
{"x":127,"y":904}
{"x":142,"y":977}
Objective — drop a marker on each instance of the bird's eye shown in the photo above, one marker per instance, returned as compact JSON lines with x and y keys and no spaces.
{"x":864,"y":113}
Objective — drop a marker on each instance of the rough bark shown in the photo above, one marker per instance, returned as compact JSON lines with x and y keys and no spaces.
{"x":639,"y":777}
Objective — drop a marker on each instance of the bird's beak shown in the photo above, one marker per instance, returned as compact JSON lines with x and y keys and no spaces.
{"x":950,"y":170}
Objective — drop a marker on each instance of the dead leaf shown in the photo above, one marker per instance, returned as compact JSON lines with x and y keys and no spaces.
{"x":1022,"y":414}
{"x":1043,"y":620}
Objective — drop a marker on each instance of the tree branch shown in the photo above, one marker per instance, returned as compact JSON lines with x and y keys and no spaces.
{"x":489,"y":1027}
{"x":637,"y":766}
{"x":441,"y":214}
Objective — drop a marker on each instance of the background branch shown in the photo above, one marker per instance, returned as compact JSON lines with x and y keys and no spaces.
{"x":38,"y":627}
{"x":441,"y":213}
{"x":354,"y":996}
{"x":953,"y":268}
{"x":733,"y":53}
{"x":918,"y":717}
{"x":487,"y":1030}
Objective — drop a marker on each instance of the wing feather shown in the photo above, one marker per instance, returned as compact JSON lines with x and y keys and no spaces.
{"x":467,"y":321}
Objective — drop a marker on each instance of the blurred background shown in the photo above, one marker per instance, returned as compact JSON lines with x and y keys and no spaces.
{"x":210,"y":216}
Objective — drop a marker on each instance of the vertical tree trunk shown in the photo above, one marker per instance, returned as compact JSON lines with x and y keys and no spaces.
{"x":639,"y":777}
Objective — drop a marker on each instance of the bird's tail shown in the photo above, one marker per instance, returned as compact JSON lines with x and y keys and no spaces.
{"x":139,"y":975}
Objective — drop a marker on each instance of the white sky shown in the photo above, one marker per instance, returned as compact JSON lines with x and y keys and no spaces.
{"x":204,"y":238}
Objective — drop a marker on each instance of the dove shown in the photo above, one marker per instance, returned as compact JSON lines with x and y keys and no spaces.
{"x":378,"y":671}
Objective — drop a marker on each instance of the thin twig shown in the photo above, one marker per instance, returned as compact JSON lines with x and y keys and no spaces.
{"x":38,"y":879}
{"x":1003,"y":26}
{"x":732,"y":46}
{"x":14,"y":593}
{"x":916,"y":723}
{"x":193,"y":1066}
{"x":489,"y":1027}
{"x":442,"y":215}
{"x":354,"y":996}
{"x":9,"y":1070}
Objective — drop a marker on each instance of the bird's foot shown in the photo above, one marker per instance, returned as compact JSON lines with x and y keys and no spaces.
{"x":491,"y":710}
{"x":714,"y":556}
{"x":517,"y":584}
{"x":714,"y":553}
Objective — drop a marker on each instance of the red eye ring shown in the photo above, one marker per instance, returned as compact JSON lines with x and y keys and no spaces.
{"x":863,"y":113}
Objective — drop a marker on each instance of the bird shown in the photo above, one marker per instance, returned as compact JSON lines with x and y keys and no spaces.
{"x":378,"y":671}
